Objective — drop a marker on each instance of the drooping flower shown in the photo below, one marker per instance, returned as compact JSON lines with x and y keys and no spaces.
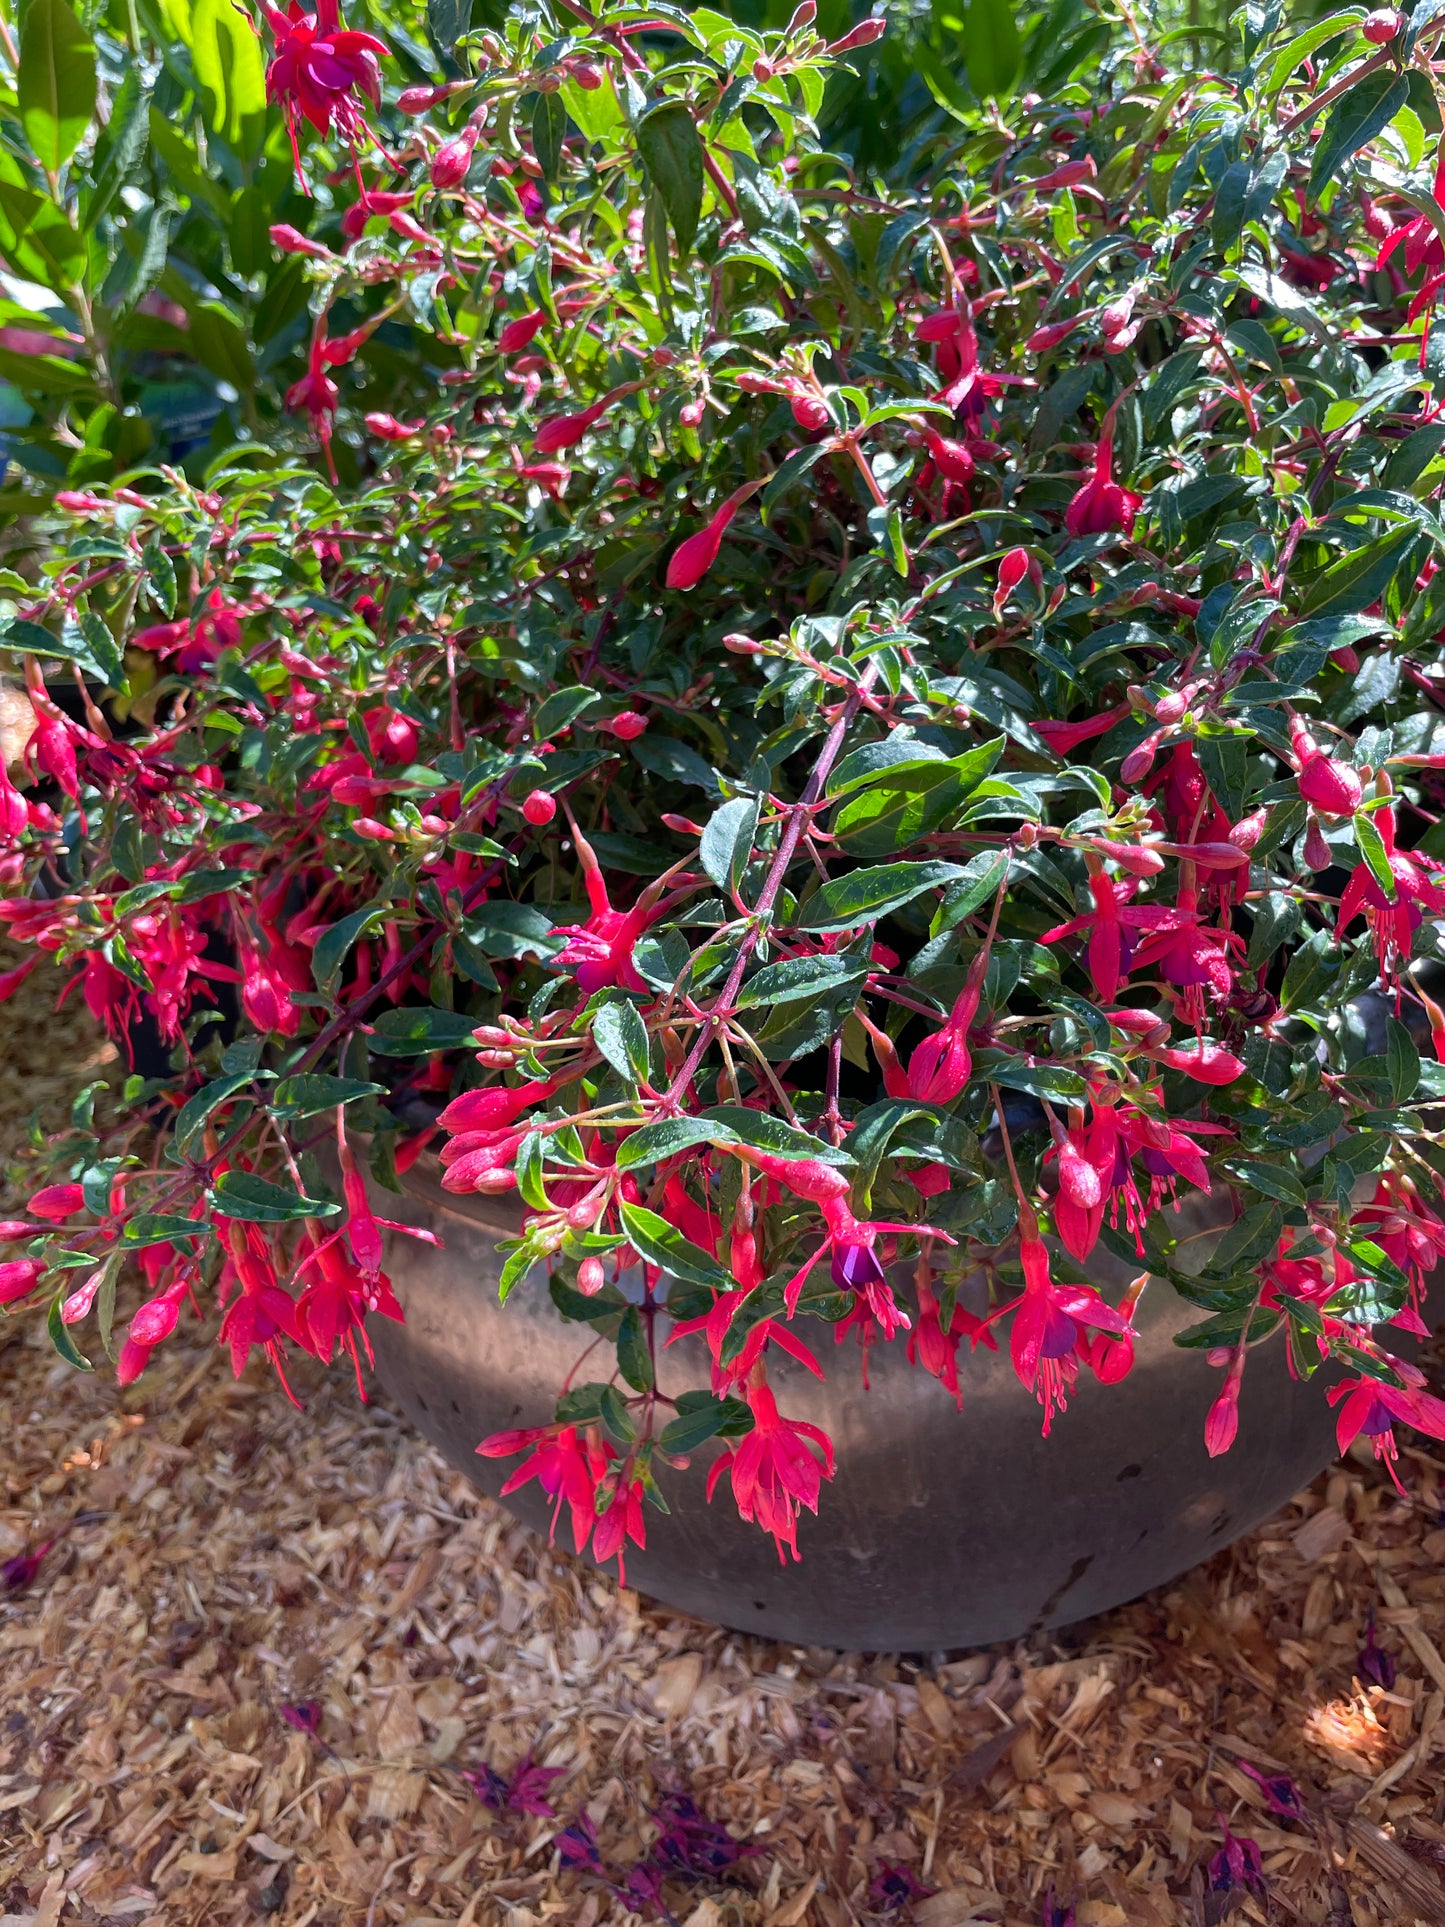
{"x":1408,"y":1232}
{"x":1047,"y":1324}
{"x":317,"y":69}
{"x":773,"y":1470}
{"x":564,"y":431}
{"x":1103,"y":506}
{"x":566,"y":1466}
{"x":1237,"y":1867}
{"x":523,"y":1790}
{"x":599,"y":952}
{"x":1371,"y":1406}
{"x":1393,"y":917}
{"x":1281,"y":1794}
{"x":692,"y":559}
{"x":935,"y":1349}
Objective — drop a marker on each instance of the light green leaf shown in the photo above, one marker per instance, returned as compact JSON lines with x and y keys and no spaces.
{"x":56,"y":82}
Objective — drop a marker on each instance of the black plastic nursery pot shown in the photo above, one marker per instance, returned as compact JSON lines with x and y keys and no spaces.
{"x":941,"y":1529}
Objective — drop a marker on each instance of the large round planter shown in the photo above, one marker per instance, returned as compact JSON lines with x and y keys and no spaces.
{"x":941,"y":1529}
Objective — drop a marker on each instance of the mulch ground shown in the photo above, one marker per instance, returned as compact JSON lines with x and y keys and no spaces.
{"x":265,"y":1647}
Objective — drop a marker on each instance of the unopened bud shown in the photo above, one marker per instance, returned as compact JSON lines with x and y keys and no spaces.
{"x":1140,"y":760}
{"x":590,"y":1277}
{"x":494,"y":1183}
{"x":1381,"y":26}
{"x":863,"y":35}
{"x":738,"y":644}
{"x":1316,"y":849}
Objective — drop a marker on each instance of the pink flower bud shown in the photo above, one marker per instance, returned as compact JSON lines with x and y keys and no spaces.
{"x":539,"y":808}
{"x":18,"y":1278}
{"x":1249,"y":829}
{"x":290,"y":241}
{"x":519,"y":332}
{"x":692,"y":559}
{"x":627,"y":725}
{"x":1381,"y":26}
{"x":134,"y":1357}
{"x":692,"y":412}
{"x":387,"y":428}
{"x":1078,"y":1179}
{"x":810,"y":412}
{"x":951,"y":459}
{"x":591,"y":1277}
{"x":863,"y":35}
{"x":374,"y":832}
{"x":804,"y":14}
{"x":1068,"y":175}
{"x":1330,"y":785}
{"x":57,"y":1201}
{"x":762,"y":68}
{"x":1140,"y":760}
{"x":1050,"y":335}
{"x":738,"y":644}
{"x":453,"y":159}
{"x":417,"y":100}
{"x":1316,"y":850}
{"x":1205,"y":1063}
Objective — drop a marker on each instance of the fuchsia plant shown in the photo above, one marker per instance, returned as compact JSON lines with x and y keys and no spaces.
{"x":949,"y":768}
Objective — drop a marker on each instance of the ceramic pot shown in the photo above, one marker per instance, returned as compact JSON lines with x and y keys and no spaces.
{"x":941,"y":1529}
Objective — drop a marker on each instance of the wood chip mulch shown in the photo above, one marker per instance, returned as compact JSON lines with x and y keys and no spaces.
{"x":265,"y":1646}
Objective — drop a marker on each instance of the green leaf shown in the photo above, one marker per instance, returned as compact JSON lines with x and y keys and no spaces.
{"x":863,"y":897}
{"x":1275,"y":921}
{"x":634,"y":1360}
{"x":229,"y":64}
{"x":253,"y":1200}
{"x":1403,"y":1060}
{"x":416,"y":1029}
{"x":992,"y":49}
{"x":701,"y":1417}
{"x":107,"y":658}
{"x":727,"y":842}
{"x":799,"y":977}
{"x":671,"y":149}
{"x":654,"y":1142}
{"x":1360,"y":578}
{"x":28,"y":638}
{"x":55,"y":83}
{"x":979,"y":881}
{"x":616,"y":1417}
{"x":334,"y":944}
{"x":549,"y":125}
{"x":161,"y":572}
{"x":37,"y":240}
{"x":1372,"y":849}
{"x":310,"y":1093}
{"x":621,"y":1036}
{"x":553,"y":714}
{"x":162,"y":1227}
{"x":1355,"y":119}
{"x":192,"y":1116}
{"x":746,"y":1126}
{"x":1249,"y":1239}
{"x":60,"y":1336}
{"x":1274,"y":1180}
{"x":1304,"y":44}
{"x":660,"y":1243}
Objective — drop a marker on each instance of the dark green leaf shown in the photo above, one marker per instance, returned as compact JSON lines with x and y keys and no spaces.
{"x":634,"y":1360}
{"x":849,"y":902}
{"x":60,"y":1336}
{"x":992,"y":48}
{"x":671,"y":150}
{"x":241,"y":1194}
{"x":621,"y":1036}
{"x":55,"y":83}
{"x":727,"y":841}
{"x":800,"y":977}
{"x":549,"y":126}
{"x":1355,"y":119}
{"x":660,"y":1243}
{"x":309,"y":1093}
{"x":416,"y":1029}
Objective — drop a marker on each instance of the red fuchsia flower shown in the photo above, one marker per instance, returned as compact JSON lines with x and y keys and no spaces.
{"x":1410,"y":1234}
{"x":565,"y":431}
{"x":521,"y":331}
{"x":599,"y":952}
{"x":18,"y":1278}
{"x":935,"y":1349}
{"x":1393,"y":920}
{"x":1237,"y":1867}
{"x":692,"y":559}
{"x":567,"y":1467}
{"x":553,"y":477}
{"x":316,"y":392}
{"x":523,"y":1790}
{"x":1281,"y":1794}
{"x":715,"y":1325}
{"x":772,"y":1469}
{"x":620,"y":1517}
{"x":196,"y":640}
{"x":1370,"y":1406}
{"x":1109,"y":947}
{"x":1187,"y":952}
{"x":1047,"y":1326}
{"x":966,"y":388}
{"x":332,"y":1311}
{"x":387,"y":428}
{"x":370,"y":204}
{"x":1326,"y":783}
{"x":261,"y":1314}
{"x":1103,"y":506}
{"x":317,"y":69}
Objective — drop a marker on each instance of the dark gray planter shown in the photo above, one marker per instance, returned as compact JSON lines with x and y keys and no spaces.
{"x":939,"y":1530}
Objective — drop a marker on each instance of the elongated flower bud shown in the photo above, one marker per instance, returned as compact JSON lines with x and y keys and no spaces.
{"x":521,"y":330}
{"x":692,"y":559}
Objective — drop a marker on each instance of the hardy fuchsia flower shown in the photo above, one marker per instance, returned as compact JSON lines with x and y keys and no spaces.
{"x":317,"y":69}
